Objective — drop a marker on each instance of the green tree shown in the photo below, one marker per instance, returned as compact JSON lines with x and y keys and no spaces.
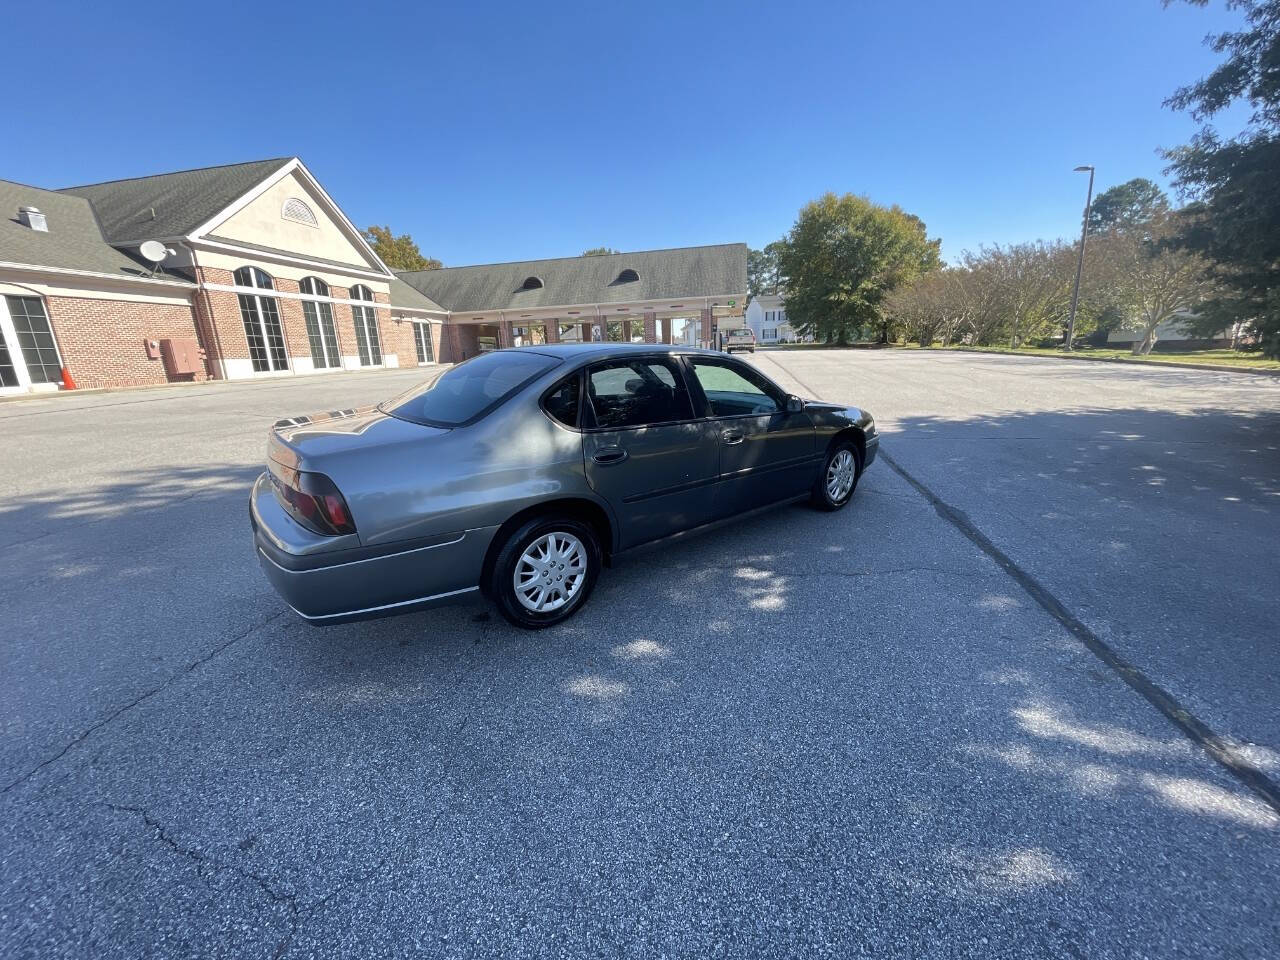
{"x":1234,"y":183}
{"x":1153,"y":281}
{"x":1127,"y":205}
{"x":599,"y":252}
{"x":843,"y":256}
{"x":762,"y":270}
{"x":398,"y":253}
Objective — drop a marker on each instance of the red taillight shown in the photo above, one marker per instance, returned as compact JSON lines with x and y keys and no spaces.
{"x":312,"y":499}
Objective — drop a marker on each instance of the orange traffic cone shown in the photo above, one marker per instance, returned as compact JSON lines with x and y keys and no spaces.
{"x":68,"y":381}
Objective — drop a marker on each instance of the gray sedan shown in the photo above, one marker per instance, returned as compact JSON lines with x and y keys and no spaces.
{"x":519,"y":474}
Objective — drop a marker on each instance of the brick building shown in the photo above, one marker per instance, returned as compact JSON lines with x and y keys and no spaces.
{"x":260,"y":274}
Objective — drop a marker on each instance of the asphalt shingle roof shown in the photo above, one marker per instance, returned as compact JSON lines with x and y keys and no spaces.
{"x":170,"y":204}
{"x":713,"y":271}
{"x":403,"y":295}
{"x":74,"y":240}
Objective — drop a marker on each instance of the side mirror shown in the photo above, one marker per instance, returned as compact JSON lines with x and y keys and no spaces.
{"x":794,"y":404}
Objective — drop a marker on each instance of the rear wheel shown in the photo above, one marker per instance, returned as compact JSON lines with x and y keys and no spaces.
{"x":839,"y":476}
{"x":545,"y":571}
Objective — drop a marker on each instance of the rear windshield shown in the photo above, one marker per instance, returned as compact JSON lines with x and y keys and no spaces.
{"x":741,"y":333}
{"x":468,"y":391}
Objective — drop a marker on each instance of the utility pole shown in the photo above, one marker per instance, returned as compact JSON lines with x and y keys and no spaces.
{"x":1084,"y":235}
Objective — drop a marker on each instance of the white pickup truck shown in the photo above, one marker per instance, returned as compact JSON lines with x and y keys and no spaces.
{"x":741,"y":339}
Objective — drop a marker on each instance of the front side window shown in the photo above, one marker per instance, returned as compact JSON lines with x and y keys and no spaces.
{"x":261,"y":317}
{"x":35,"y":341}
{"x":734,"y":391}
{"x":637,"y":392}
{"x":321,"y":332}
{"x":368,"y":344}
{"x":470,"y":390}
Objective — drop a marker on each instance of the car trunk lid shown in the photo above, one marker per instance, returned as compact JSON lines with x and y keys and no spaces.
{"x":305,"y":443}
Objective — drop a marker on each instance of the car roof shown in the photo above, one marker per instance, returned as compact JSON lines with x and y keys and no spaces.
{"x":603,"y":350}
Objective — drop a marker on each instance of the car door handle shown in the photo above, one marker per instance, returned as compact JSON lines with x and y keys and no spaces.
{"x":609,"y":455}
{"x":731,"y":436}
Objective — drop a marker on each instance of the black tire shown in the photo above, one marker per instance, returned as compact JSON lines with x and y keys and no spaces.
{"x":502,"y":587}
{"x":820,"y":497}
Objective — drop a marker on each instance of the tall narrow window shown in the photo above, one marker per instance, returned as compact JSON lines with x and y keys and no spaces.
{"x":368,"y":344}
{"x":35,"y":342}
{"x":321,"y":333}
{"x":422,"y":343}
{"x":8,"y":372}
{"x":261,"y":316}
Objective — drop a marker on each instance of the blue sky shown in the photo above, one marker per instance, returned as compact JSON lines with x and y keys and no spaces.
{"x":506,"y":131}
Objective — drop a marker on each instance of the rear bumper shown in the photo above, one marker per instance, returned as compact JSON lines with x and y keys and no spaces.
{"x":349,"y":582}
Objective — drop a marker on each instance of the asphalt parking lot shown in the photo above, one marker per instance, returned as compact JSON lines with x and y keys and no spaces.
{"x":891,"y":731}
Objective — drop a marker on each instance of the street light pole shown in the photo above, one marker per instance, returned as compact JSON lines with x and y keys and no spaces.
{"x":1084,"y":235}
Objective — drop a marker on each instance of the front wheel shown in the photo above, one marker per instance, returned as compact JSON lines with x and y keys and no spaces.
{"x":839,"y":477}
{"x":545,"y":571}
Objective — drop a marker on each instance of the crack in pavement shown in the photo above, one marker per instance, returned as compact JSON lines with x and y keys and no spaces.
{"x":1216,"y":746}
{"x":299,"y":913}
{"x":290,"y":900}
{"x":125,"y":708}
{"x":1199,"y":732}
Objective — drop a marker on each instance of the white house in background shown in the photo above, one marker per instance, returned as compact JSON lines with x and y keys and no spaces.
{"x":767,"y":318}
{"x":1171,"y":331}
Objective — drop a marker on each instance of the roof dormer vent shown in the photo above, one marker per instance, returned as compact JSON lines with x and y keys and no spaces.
{"x":33,"y":218}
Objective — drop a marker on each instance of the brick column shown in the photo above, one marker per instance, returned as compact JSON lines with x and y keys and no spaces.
{"x":224,"y":328}
{"x":439,"y":342}
{"x":585,"y":331}
{"x":705,"y":333}
{"x":626,"y":331}
{"x":455,"y":344}
{"x":650,"y":328}
{"x":505,"y":337}
{"x":553,"y":331}
{"x":666,"y":330}
{"x":344,"y":324}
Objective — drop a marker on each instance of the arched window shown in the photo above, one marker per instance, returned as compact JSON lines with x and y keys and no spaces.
{"x":532,"y":283}
{"x":298,"y":211}
{"x":313,"y":286}
{"x":368,"y":343}
{"x":627,"y":276}
{"x":321,"y":333}
{"x":261,"y":316}
{"x":254,"y":277}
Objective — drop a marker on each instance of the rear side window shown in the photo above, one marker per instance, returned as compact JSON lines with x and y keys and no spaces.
{"x":469,"y":390}
{"x":635,"y":392}
{"x":562,"y":401}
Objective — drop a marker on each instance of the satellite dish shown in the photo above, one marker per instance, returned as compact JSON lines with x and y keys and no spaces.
{"x":153,"y":250}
